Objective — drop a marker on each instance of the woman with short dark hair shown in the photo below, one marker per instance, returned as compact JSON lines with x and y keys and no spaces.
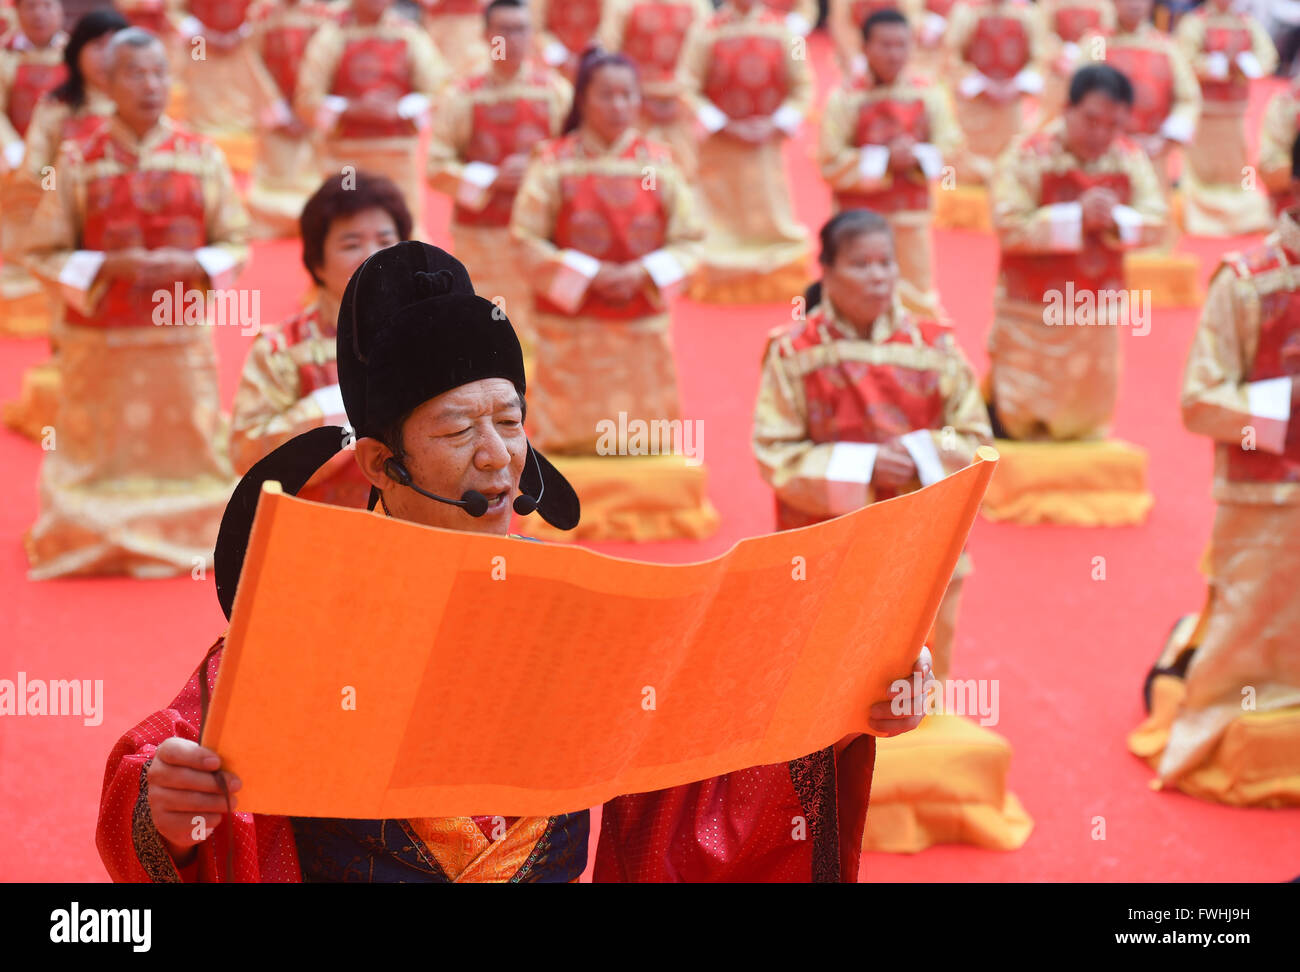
{"x":290,"y":379}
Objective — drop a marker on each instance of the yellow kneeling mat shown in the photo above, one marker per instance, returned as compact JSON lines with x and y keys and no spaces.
{"x":1072,"y":483}
{"x":1255,"y":764}
{"x":640,"y":498}
{"x":943,"y":783}
{"x":38,"y":401}
{"x":1173,"y":279}
{"x":240,"y":151}
{"x":964,"y":208}
{"x":717,"y":286}
{"x":25,"y":316}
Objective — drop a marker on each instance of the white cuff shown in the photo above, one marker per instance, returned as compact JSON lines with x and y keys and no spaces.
{"x":218,"y":264}
{"x":1070,"y":51}
{"x":276,"y":115}
{"x":930,"y":158}
{"x":933,"y":26}
{"x":920,"y":446}
{"x":852,"y":462}
{"x":1178,"y":128}
{"x":572,"y":277}
{"x":330,"y":401}
{"x":1216,"y":65}
{"x":797,"y":25}
{"x":787,"y":119}
{"x":555,"y":54}
{"x":858,"y":66}
{"x":475,"y":182}
{"x":14,"y":153}
{"x":328,"y":112}
{"x":1270,"y":407}
{"x":664,"y":269}
{"x":973,"y":84}
{"x":1249,"y":64}
{"x":412,"y":106}
{"x":873,"y":160}
{"x":1066,"y":227}
{"x":1029,"y":81}
{"x":1129,"y":222}
{"x":711,"y":117}
{"x":77,"y":276}
{"x":191,"y":26}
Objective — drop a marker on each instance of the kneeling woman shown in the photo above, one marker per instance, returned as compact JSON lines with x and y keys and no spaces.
{"x":862,"y":402}
{"x":603,"y":223}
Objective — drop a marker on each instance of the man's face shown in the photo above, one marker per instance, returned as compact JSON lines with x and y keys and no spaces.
{"x":509,"y":34}
{"x":348,"y":241}
{"x":137,"y":83}
{"x":1130,"y":13}
{"x":887,"y":50}
{"x":471,"y":437}
{"x":1092,"y":125}
{"x":40,"y":19}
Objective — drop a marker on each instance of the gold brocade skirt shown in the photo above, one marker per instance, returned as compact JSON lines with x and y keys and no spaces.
{"x":223,"y":91}
{"x":285,"y":174}
{"x":136,"y":478}
{"x":1219,"y":194}
{"x":1246,"y":668}
{"x":588,"y":370}
{"x":751,"y":231}
{"x":459,"y":39}
{"x":989,"y":129}
{"x":1052,"y":381}
{"x":493,"y":263}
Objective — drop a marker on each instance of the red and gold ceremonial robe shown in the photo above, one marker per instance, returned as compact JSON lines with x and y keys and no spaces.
{"x":1278,"y":133}
{"x":1227,"y":49}
{"x":652,"y":35}
{"x":1056,"y":375}
{"x":346,"y":64}
{"x":829,"y":397}
{"x":482,"y":122}
{"x":858,"y":123}
{"x":1166,"y":94}
{"x":290,"y":385}
{"x":998,"y":49}
{"x":1229,"y":728}
{"x":27,"y":72}
{"x":566,"y":28}
{"x":140,"y":477}
{"x":273,"y":849}
{"x":582,"y":204}
{"x":286,"y":171}
{"x":741,"y":65}
{"x":1068,"y":22}
{"x":456,"y":27}
{"x":228,"y":86}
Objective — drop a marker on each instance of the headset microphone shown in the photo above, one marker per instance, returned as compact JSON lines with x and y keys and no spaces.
{"x":471,"y":501}
{"x":525,"y":504}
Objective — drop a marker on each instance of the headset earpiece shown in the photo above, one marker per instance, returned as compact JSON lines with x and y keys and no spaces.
{"x":397,"y":471}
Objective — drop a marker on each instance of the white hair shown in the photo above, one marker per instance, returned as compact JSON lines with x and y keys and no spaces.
{"x":131,"y":37}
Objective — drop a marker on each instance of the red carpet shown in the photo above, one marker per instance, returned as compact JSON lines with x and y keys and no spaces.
{"x":1070,"y":652}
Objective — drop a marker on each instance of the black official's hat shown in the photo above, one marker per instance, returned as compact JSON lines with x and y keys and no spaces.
{"x":410,"y":328}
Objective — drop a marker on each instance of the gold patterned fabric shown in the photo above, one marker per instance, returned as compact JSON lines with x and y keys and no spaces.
{"x":1219,"y":198}
{"x":455,"y":142}
{"x":989,"y":127}
{"x":1278,"y":131}
{"x":458,"y":38}
{"x":754,"y":248}
{"x":1066,"y":51}
{"x":227,"y":87}
{"x":138,"y":476}
{"x":1061,"y":381}
{"x":589,"y":368}
{"x":393,"y":155}
{"x":840,"y":157}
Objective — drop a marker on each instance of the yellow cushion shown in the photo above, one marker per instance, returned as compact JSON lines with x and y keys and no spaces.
{"x":25,"y":316}
{"x":964,"y":208}
{"x":641,"y":498}
{"x":1172,"y":279}
{"x":943,"y":783}
{"x":1073,"y":483}
{"x":38,"y":401}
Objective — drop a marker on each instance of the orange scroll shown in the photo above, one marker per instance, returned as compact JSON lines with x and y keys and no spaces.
{"x":378,"y":669}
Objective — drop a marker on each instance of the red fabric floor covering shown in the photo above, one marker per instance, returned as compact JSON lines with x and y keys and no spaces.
{"x":1070,"y":652}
